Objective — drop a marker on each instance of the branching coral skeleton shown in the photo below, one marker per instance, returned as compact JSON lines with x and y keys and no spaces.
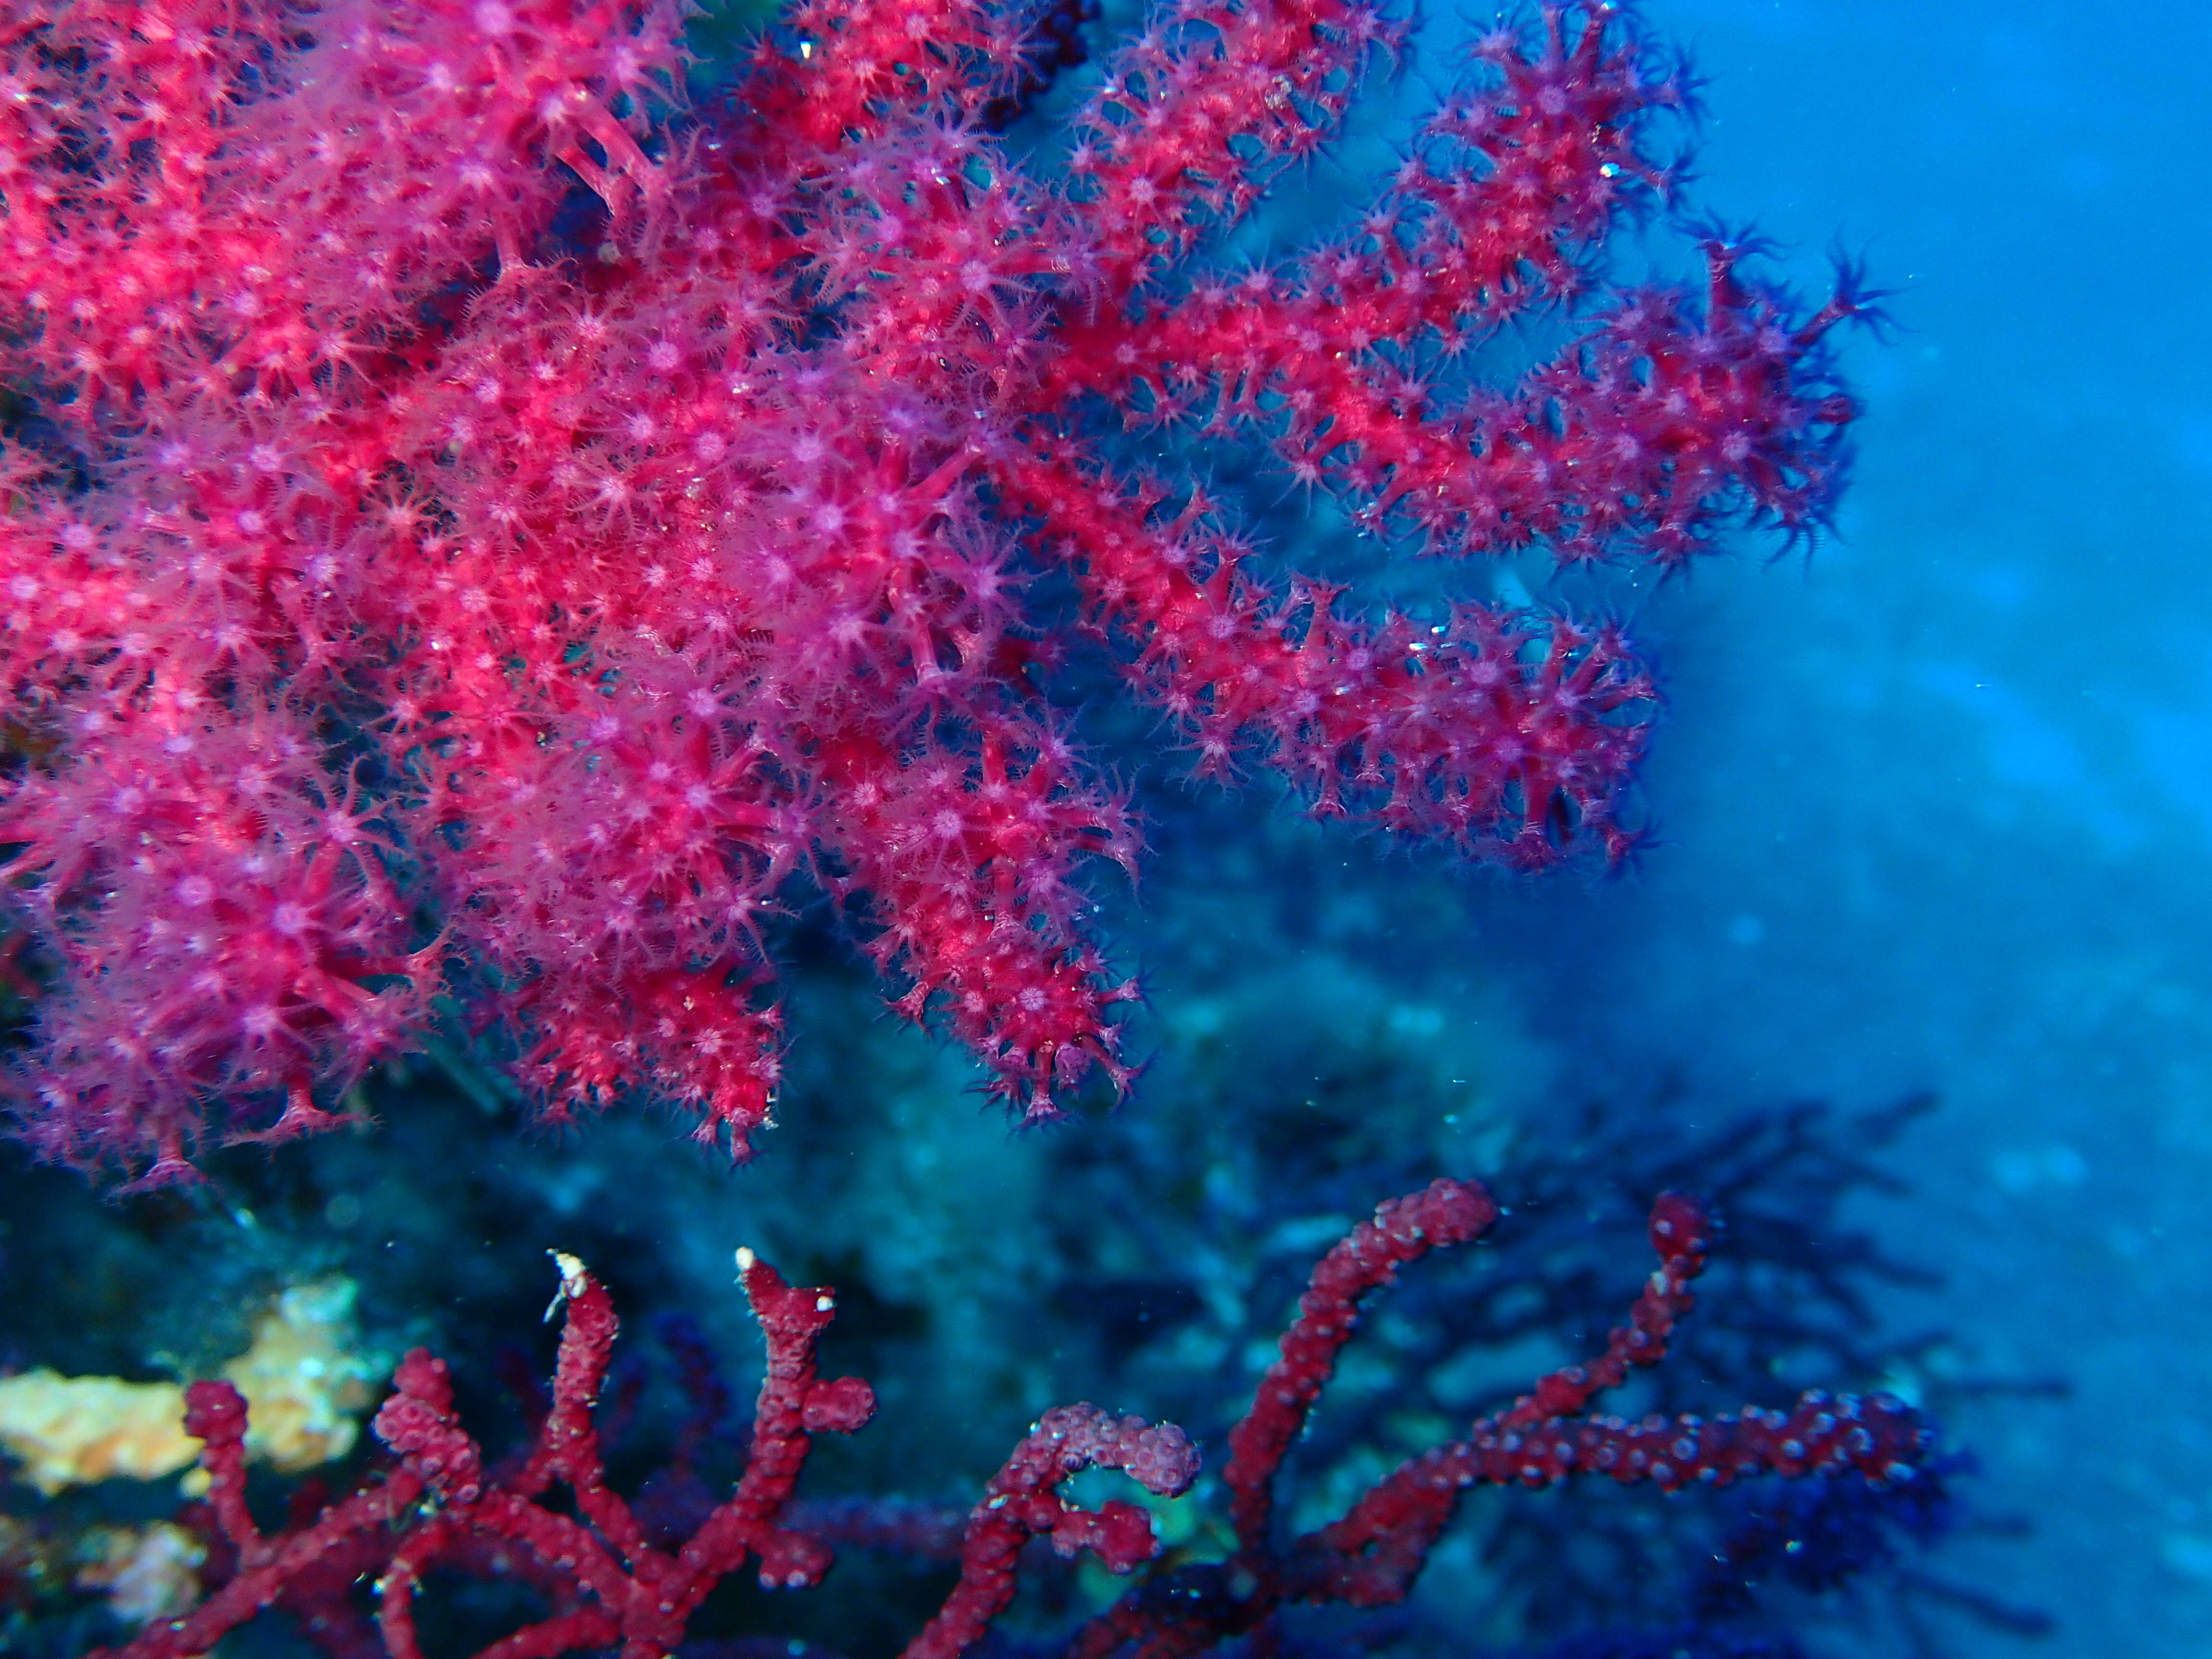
{"x":611,"y":1587}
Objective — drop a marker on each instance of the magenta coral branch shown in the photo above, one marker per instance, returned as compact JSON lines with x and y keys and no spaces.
{"x":1448,"y":1212}
{"x":1461,"y":732}
{"x":1510,"y":190}
{"x":612,"y":1587}
{"x":215,"y":1414}
{"x":486,"y":536}
{"x":1371,"y":1555}
{"x":1193,"y":115}
{"x":1670,"y":424}
{"x":1022,"y":1503}
{"x":619,"y":1590}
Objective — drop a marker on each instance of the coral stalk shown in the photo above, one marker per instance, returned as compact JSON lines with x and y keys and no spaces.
{"x":612,"y":1587}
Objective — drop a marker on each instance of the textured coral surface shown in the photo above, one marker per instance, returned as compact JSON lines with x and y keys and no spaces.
{"x":485,"y":538}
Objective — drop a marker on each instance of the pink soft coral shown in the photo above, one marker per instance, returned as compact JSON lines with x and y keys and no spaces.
{"x":475,"y":529}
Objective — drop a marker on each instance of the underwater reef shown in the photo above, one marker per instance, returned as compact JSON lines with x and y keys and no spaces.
{"x":570,"y":555}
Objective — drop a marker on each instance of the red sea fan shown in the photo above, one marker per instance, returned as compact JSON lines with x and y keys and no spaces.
{"x":611,"y":1583}
{"x":478,"y":529}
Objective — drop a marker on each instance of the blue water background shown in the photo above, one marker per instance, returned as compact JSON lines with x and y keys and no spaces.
{"x":1938,"y":803}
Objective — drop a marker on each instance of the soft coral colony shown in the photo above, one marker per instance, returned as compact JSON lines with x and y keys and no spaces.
{"x":611,"y":1582}
{"x":480,"y":533}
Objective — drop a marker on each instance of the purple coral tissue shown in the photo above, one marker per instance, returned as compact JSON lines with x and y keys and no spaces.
{"x":481,"y":532}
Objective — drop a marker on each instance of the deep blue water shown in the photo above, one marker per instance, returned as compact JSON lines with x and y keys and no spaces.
{"x":1939,"y":801}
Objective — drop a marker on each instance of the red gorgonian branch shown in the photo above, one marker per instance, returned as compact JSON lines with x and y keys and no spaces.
{"x":478,"y":533}
{"x":611,"y":1587}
